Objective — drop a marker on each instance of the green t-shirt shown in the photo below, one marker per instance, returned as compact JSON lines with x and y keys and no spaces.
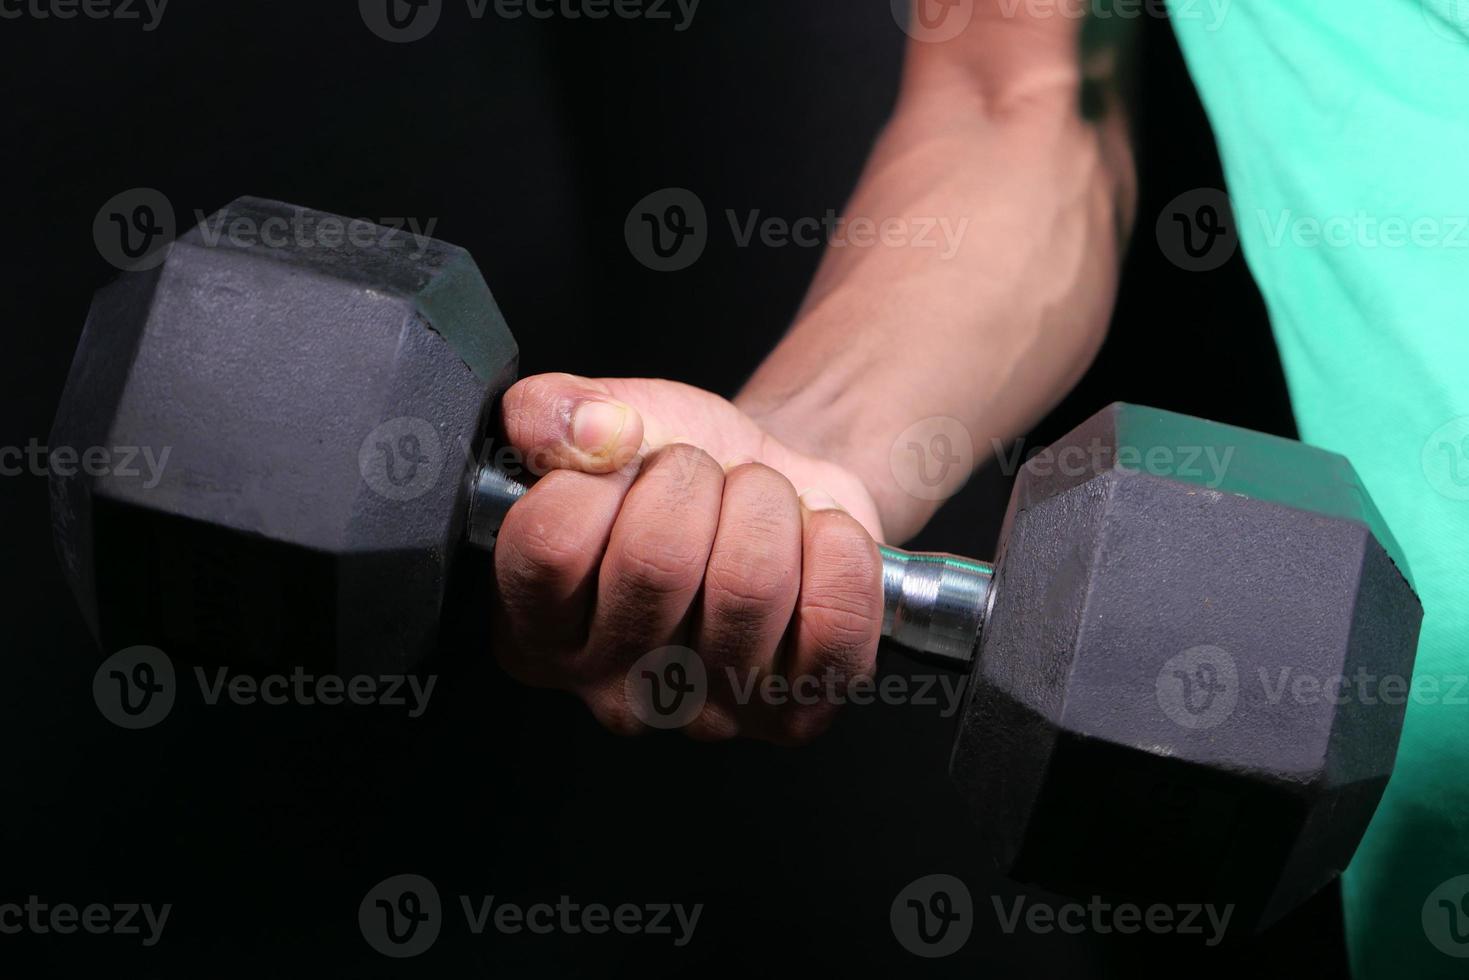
{"x":1344,"y":131}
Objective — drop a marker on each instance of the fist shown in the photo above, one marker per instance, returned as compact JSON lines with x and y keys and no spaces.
{"x":667,"y":518}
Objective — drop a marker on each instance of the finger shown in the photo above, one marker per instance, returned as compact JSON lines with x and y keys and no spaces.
{"x":560,"y":421}
{"x":750,"y":589}
{"x":652,"y":571}
{"x":546,"y":560}
{"x":838,"y":619}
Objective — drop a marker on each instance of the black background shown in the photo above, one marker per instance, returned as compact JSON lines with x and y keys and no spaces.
{"x":528,"y":141}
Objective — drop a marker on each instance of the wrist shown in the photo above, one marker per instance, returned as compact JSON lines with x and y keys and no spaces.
{"x":830,"y":433}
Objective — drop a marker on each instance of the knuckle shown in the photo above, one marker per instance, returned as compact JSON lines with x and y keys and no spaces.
{"x":764,"y":504}
{"x":840,"y":632}
{"x":533,"y":408}
{"x":754,"y":568}
{"x":748,"y":580}
{"x":685,"y":466}
{"x":661,"y":563}
{"x":542,"y":546}
{"x":844,"y":573}
{"x":837,"y":533}
{"x":760,"y":483}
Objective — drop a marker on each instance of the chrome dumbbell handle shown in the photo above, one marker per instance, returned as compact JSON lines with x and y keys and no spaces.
{"x":934,"y":605}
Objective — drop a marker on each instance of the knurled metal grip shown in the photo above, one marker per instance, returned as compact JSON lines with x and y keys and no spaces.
{"x":934,"y":605}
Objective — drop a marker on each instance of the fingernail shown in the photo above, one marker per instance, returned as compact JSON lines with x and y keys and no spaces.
{"x":737,"y":462}
{"x":595,"y":426}
{"x":817,"y":499}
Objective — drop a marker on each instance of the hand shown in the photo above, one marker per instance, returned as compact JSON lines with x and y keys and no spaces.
{"x":669,"y":518}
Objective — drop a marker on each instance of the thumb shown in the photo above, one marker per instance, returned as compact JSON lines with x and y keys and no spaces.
{"x":561,"y":421}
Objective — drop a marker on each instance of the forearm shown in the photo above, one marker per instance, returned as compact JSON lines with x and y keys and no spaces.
{"x":990,"y":325}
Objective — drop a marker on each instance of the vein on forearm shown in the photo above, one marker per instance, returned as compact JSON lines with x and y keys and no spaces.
{"x":994,"y":334}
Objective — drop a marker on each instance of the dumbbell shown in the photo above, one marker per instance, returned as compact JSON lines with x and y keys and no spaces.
{"x":1129,"y":731}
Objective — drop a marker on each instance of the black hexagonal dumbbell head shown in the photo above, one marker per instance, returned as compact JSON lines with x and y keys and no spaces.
{"x":1136,"y":724}
{"x":320,"y":389}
